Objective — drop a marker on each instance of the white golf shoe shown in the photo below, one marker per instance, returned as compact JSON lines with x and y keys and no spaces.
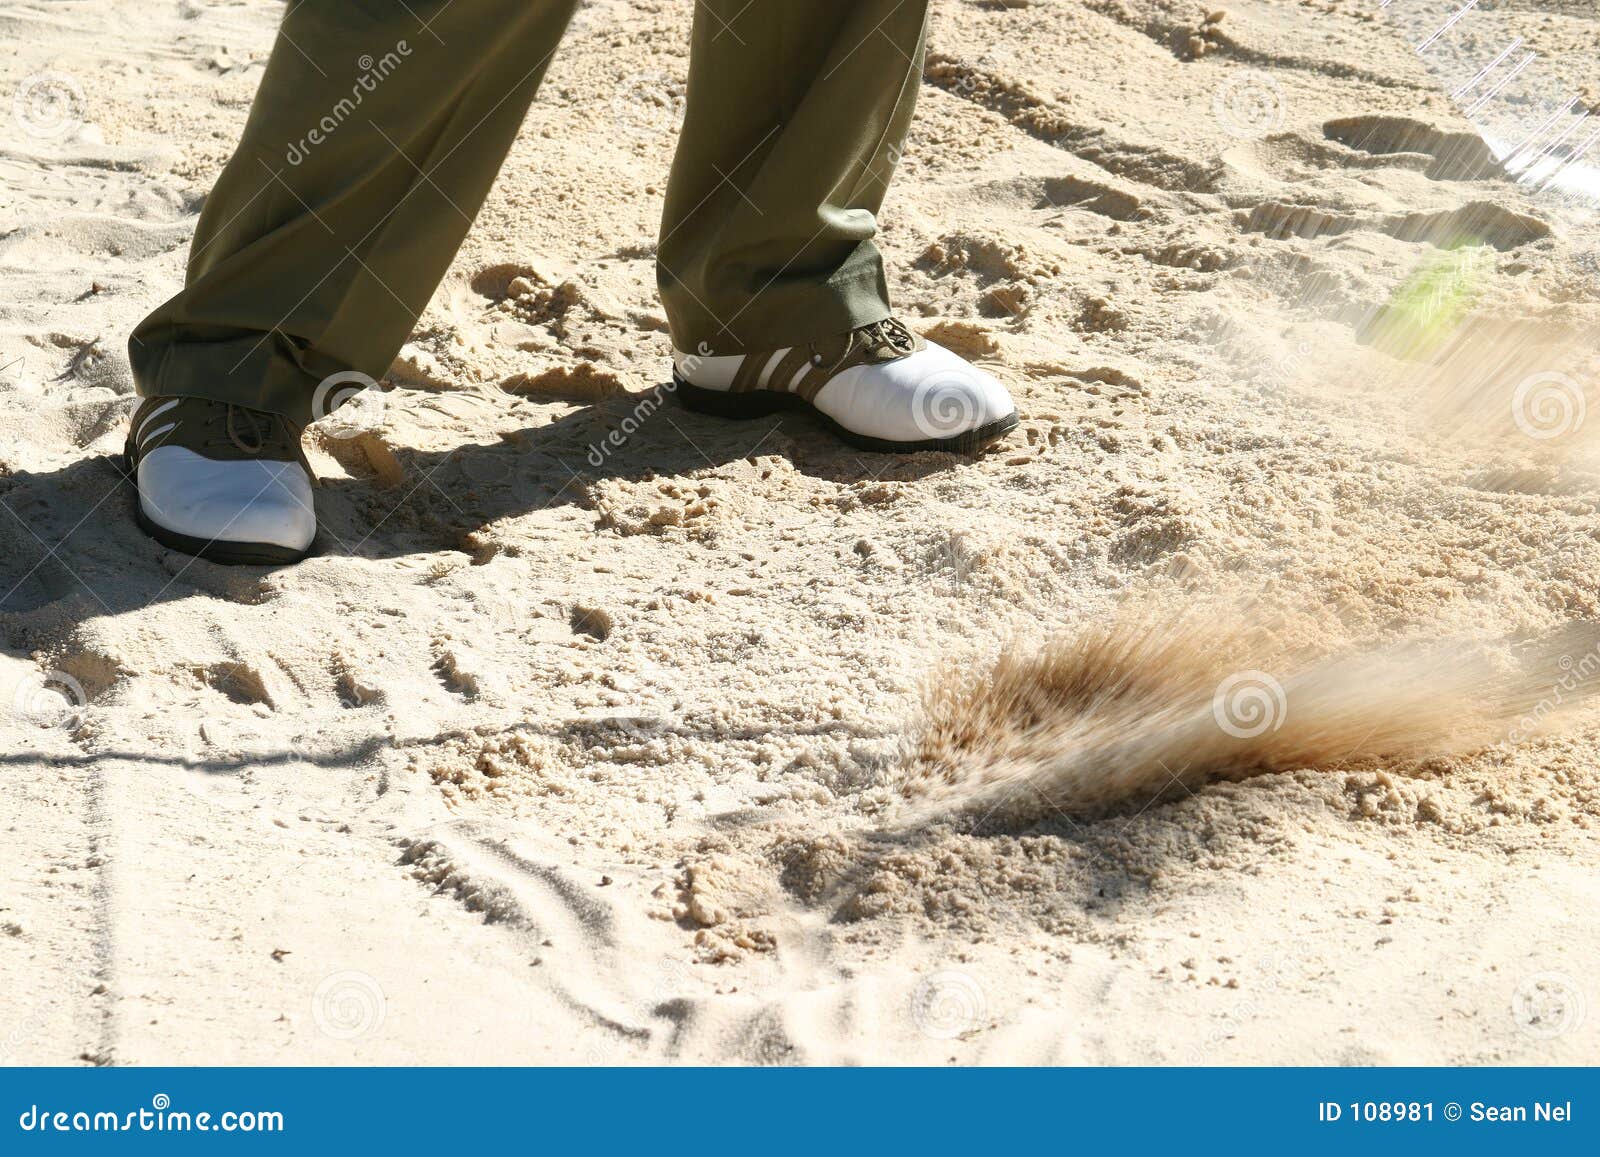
{"x":880,"y":387}
{"x":220,"y":481}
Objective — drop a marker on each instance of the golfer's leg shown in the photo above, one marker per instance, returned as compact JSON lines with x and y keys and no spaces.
{"x":796,"y":114}
{"x":375,"y":135}
{"x":775,"y":292}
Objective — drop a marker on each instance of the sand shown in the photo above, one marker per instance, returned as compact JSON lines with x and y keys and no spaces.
{"x":580,"y":749}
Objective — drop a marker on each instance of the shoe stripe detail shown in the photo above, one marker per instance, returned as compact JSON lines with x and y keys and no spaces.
{"x":803,"y":371}
{"x":809,"y":387}
{"x":156,"y":433}
{"x":772,"y":364}
{"x":744,"y":378}
{"x":789,"y":372}
{"x":153,"y":415}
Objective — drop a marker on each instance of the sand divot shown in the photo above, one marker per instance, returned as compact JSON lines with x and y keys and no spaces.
{"x":1152,"y":703}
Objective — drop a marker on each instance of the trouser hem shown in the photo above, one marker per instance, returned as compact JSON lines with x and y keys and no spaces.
{"x":256,"y":372}
{"x":788,"y":317}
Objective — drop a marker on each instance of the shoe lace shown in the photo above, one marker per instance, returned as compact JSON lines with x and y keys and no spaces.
{"x":882,"y":340}
{"x":253,"y":432}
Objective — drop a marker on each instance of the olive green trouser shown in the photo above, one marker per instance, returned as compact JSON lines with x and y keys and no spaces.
{"x":379,"y":128}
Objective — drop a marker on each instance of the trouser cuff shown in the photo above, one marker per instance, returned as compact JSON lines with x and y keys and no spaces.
{"x":785,"y":315}
{"x":263,"y":372}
